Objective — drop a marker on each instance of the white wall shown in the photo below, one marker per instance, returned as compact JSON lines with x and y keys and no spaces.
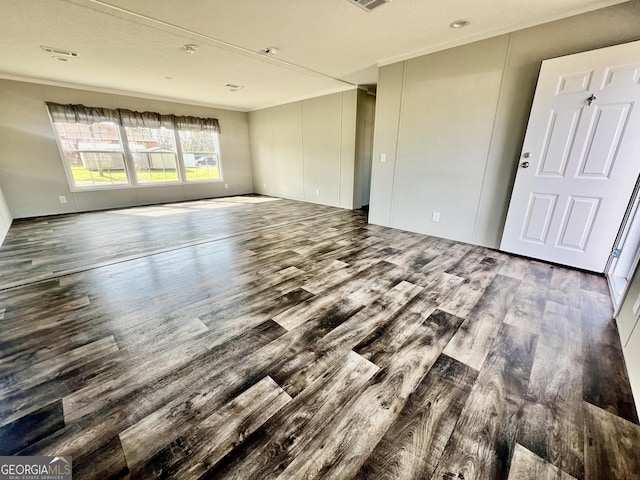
{"x":5,"y":218}
{"x":306,"y":150}
{"x":452,"y":124}
{"x":632,"y":358}
{"x":31,"y":171}
{"x":629,"y":328}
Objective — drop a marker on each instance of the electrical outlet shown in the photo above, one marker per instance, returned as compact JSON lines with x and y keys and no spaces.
{"x":435,"y":217}
{"x":226,"y":185}
{"x":265,"y":184}
{"x":383,"y":157}
{"x":317,"y":191}
{"x":62,"y":199}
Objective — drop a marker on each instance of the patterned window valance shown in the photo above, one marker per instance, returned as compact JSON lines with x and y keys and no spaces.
{"x":129,"y":118}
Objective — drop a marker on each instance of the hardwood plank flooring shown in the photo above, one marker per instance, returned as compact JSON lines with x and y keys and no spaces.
{"x":105,"y":462}
{"x":189,"y":455}
{"x":527,"y":309}
{"x":526,"y":466}
{"x":555,"y":393}
{"x":604,"y":385}
{"x":412,"y":446}
{"x":606,"y":459}
{"x":472,"y":288}
{"x":260,"y":338}
{"x":55,"y":245}
{"x":353,"y":433}
{"x":31,"y":427}
{"x":472,"y":342}
{"x":482,"y":443}
{"x":268,"y":451}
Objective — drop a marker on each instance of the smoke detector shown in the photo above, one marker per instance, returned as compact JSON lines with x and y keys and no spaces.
{"x":369,"y":5}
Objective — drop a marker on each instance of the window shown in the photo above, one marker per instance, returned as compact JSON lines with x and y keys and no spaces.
{"x":105,"y":148}
{"x":154,"y":155}
{"x":94,"y":153}
{"x":200,"y":154}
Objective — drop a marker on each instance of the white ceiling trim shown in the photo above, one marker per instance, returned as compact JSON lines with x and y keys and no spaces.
{"x":118,"y":92}
{"x":305,"y":97}
{"x":135,"y":47}
{"x":107,"y":8}
{"x":492,"y":33}
{"x":131,"y":93}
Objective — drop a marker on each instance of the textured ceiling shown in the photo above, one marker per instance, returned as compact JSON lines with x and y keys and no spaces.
{"x":131,"y":46}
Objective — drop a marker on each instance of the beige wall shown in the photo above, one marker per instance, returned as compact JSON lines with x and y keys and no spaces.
{"x":452,"y":124}
{"x":305,"y":150}
{"x":5,"y":218}
{"x":32,"y":175}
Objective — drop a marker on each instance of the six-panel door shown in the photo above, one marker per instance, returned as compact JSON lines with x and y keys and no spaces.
{"x":580,"y":159}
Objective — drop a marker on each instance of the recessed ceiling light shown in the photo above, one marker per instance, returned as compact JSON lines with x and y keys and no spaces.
{"x":190,"y":48}
{"x":233,"y":87}
{"x":460,"y":24}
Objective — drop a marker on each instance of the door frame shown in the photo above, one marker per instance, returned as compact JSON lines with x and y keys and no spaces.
{"x":630,"y":222}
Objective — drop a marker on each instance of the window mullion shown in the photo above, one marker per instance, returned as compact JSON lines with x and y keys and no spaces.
{"x":128,"y":158}
{"x":182,"y":173}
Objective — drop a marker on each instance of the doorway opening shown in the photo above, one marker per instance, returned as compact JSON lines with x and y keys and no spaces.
{"x":365,"y":122}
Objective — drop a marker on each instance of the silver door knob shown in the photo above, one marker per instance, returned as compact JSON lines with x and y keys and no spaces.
{"x":524,"y":164}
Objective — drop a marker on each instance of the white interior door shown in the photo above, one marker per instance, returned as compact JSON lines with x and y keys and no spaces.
{"x":580,"y":159}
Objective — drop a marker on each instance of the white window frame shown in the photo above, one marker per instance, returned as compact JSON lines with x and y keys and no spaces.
{"x":129,"y":165}
{"x":129,"y":156}
{"x":183,"y":168}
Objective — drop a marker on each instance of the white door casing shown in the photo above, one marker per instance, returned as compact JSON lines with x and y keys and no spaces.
{"x":580,"y":159}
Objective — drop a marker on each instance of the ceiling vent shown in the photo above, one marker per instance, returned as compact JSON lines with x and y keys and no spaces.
{"x":59,"y":52}
{"x":369,"y":5}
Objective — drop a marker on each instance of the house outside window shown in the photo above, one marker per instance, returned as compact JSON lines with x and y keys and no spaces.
{"x":154,"y":154}
{"x":103,"y":148}
{"x":200,"y":153}
{"x":94,"y":153}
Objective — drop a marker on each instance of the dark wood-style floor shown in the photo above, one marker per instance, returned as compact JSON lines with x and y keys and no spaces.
{"x":256,"y":338}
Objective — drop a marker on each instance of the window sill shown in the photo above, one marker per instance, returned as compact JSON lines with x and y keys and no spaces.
{"x":76,"y":189}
